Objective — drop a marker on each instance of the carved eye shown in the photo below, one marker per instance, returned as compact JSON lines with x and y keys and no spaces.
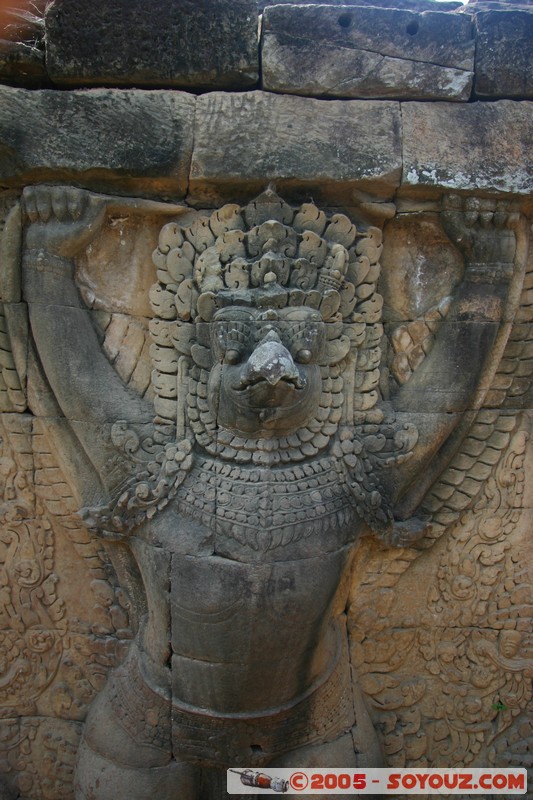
{"x":232,"y":356}
{"x":229,"y":340}
{"x":304,"y":356}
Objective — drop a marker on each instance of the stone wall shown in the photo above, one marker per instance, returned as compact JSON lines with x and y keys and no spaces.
{"x":420,"y":50}
{"x":391,"y":114}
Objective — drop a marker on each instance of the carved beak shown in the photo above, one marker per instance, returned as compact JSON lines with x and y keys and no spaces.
{"x":271,"y":362}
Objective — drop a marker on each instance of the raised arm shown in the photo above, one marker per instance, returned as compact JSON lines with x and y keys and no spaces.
{"x":61,"y":223}
{"x":444,"y":394}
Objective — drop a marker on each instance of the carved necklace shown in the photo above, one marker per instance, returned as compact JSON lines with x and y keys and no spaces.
{"x":266,"y":508}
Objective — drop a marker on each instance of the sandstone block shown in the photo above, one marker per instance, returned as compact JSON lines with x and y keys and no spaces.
{"x":479,"y":146}
{"x":247,"y":140}
{"x":504,"y":67}
{"x":344,"y":51}
{"x":410,"y":286}
{"x":97,"y":137}
{"x":418,"y":5}
{"x":130,"y":42}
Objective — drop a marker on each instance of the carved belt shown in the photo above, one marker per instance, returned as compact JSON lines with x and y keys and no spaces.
{"x":322,"y":714}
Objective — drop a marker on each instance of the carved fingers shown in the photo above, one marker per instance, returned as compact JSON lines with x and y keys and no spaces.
{"x":62,"y":219}
{"x":482,"y":228}
{"x":63,"y":203}
{"x":468,"y":212}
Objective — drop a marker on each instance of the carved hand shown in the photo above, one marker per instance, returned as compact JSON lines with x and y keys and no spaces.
{"x":63,"y":220}
{"x":482,"y":229}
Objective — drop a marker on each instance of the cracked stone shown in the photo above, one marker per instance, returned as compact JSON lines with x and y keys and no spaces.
{"x":296,"y":141}
{"x":474,"y":146}
{"x":333,"y":51}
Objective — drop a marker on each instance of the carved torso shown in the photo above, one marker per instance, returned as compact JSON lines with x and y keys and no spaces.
{"x":247,"y":554}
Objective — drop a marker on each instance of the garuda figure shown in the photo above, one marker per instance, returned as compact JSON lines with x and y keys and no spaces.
{"x":233,"y":502}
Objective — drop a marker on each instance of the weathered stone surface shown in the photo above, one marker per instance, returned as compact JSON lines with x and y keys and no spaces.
{"x":367,"y":52}
{"x":256,"y":416}
{"x":22,"y":43}
{"x":130,"y":42}
{"x":243,"y":141}
{"x":416,"y":5}
{"x":448,"y":586}
{"x":241,"y":507}
{"x":475,"y":146}
{"x":412,"y":284}
{"x":98,"y":137}
{"x":504,"y":67}
{"x":474,"y":6}
{"x":21,"y":63}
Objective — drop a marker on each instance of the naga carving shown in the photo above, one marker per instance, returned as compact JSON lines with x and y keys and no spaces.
{"x":233,"y":491}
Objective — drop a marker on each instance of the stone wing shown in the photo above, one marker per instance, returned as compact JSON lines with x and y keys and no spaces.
{"x":64,"y":619}
{"x":57,"y":643}
{"x":439,"y":632}
{"x":488,"y":418}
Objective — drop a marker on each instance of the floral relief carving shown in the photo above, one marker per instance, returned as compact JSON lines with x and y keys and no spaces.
{"x":447,"y":691}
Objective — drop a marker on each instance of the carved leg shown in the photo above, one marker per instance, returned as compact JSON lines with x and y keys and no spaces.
{"x":126,"y":748}
{"x":342,"y":752}
{"x":339,"y":753}
{"x":99,"y":778}
{"x":359,"y":747}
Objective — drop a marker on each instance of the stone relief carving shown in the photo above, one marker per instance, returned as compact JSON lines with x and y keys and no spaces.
{"x":472,"y":650}
{"x":232,"y":456}
{"x":53,"y":662}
